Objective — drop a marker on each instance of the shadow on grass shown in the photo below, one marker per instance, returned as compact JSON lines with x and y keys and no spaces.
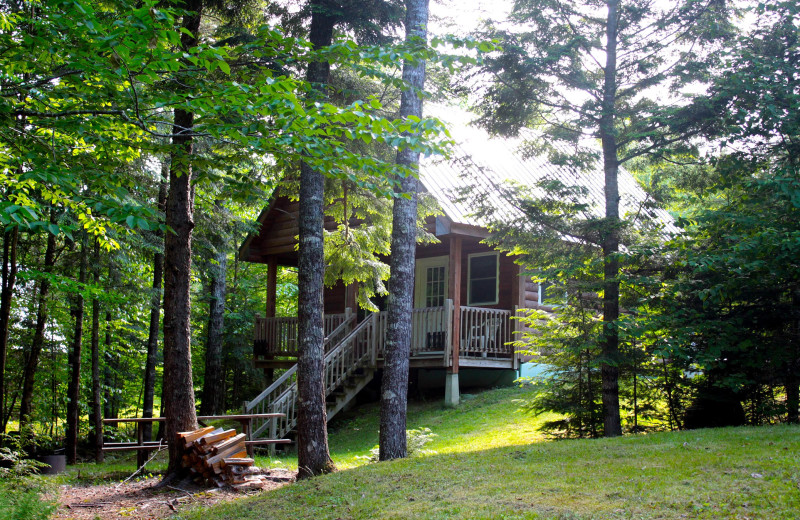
{"x":723,"y":473}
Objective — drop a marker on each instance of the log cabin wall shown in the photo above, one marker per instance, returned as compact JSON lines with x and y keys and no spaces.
{"x":507,"y":269}
{"x":277,"y":235}
{"x":335,"y":299}
{"x":531,"y":294}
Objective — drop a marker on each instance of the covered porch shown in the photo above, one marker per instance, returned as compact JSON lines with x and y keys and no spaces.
{"x":444,"y":336}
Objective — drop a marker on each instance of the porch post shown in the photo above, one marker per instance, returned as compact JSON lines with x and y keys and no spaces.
{"x":351,"y":297}
{"x":272,"y":285}
{"x":272,"y":293}
{"x":518,"y":301}
{"x":451,"y":389}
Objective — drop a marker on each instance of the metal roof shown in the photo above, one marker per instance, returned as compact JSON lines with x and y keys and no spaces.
{"x":479,"y":162}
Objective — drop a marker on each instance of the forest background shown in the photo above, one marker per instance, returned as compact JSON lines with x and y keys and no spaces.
{"x":89,"y":94}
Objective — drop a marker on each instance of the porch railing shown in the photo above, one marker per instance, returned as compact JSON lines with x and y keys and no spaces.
{"x":431,"y":329}
{"x":278,"y":336}
{"x":486,"y":332}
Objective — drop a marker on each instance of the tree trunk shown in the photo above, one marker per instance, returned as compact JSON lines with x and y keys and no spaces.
{"x":9,"y":271}
{"x":155,"y":317}
{"x":609,"y":340}
{"x":313,"y":457}
{"x":97,"y":402}
{"x":29,"y":376}
{"x":213,"y":391}
{"x":73,"y":388}
{"x":109,"y":370}
{"x":792,"y":379}
{"x":178,"y":387}
{"x":394,"y":391}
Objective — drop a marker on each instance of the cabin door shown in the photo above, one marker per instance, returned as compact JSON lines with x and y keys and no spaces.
{"x":430,"y":282}
{"x":430,"y":292}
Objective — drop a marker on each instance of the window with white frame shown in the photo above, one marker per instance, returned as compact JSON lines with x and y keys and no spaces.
{"x":550,"y":297}
{"x":543,"y":296}
{"x":430,"y":286}
{"x":483,"y":279}
{"x":435,"y":279}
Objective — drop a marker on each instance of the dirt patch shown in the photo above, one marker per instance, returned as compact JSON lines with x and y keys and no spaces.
{"x":142,"y":500}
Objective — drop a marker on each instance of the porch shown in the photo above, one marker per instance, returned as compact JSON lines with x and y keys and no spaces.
{"x":445,"y":336}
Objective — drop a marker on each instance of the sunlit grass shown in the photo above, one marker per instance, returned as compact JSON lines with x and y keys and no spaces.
{"x":489,"y":462}
{"x":733,"y":473}
{"x":485,"y":420}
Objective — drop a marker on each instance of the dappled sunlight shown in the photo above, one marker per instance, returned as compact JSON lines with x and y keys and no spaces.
{"x":697,"y":474}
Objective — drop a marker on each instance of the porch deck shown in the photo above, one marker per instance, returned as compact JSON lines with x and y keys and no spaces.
{"x":441,"y":337}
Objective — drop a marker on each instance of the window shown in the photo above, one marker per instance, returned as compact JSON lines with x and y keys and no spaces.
{"x":430,"y":285}
{"x":550,"y":297}
{"x":482,"y":287}
{"x":543,"y":290}
{"x":434,"y":286}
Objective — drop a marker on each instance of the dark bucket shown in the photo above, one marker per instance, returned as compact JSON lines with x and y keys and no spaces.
{"x":56,"y":464}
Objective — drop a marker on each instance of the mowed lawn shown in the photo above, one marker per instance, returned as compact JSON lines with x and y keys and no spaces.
{"x":490,"y":462}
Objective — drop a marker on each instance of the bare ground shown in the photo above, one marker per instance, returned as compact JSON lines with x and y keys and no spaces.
{"x":142,"y":500}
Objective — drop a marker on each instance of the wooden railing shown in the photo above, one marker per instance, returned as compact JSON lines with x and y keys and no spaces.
{"x":278,"y":336}
{"x":485,"y":332}
{"x":431,"y":329}
{"x":282,"y":394}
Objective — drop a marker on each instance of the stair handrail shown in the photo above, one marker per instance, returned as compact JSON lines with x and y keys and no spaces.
{"x":293,"y":370}
{"x":286,"y":398}
{"x":347,"y":345}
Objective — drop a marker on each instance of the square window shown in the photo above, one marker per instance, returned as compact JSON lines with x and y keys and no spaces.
{"x":483,"y":277}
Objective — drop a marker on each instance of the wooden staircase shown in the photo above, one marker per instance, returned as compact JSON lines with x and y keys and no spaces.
{"x":350,"y":364}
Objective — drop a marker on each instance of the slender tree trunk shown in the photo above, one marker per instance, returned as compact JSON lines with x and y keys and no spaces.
{"x":9,"y":280}
{"x":792,"y":378}
{"x":394,"y":389}
{"x":609,"y":341}
{"x":73,"y":388}
{"x":29,"y":375}
{"x":110,"y":368}
{"x":313,"y":457}
{"x":155,"y":317}
{"x":213,"y":391}
{"x":97,"y":401}
{"x":178,"y":387}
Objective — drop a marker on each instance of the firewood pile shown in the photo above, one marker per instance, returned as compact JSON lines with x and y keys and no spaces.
{"x":218,"y":457}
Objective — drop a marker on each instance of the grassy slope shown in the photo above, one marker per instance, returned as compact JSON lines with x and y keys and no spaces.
{"x":489,"y":464}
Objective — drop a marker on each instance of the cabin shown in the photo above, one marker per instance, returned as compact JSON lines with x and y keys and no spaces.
{"x":465,"y":294}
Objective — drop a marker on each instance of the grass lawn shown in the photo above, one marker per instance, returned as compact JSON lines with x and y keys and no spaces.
{"x":490,"y":462}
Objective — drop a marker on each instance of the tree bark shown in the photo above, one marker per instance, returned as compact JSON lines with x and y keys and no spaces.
{"x":313,"y":457}
{"x":213,"y":392}
{"x":108,"y":373}
{"x":394,"y":391}
{"x":792,"y":379}
{"x":179,"y":405}
{"x":9,"y":280}
{"x":148,"y":397}
{"x":73,"y":388}
{"x":97,"y":402}
{"x":29,"y":375}
{"x":609,"y":340}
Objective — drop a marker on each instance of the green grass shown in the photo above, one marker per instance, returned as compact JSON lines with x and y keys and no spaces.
{"x":484,"y":420}
{"x":491,"y":463}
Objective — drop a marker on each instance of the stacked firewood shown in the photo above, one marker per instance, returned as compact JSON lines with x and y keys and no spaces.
{"x":218,"y":457}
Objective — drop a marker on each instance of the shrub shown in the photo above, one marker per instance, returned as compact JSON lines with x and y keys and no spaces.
{"x":415,"y":442}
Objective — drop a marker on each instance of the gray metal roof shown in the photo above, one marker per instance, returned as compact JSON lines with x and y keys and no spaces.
{"x":483,"y":163}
